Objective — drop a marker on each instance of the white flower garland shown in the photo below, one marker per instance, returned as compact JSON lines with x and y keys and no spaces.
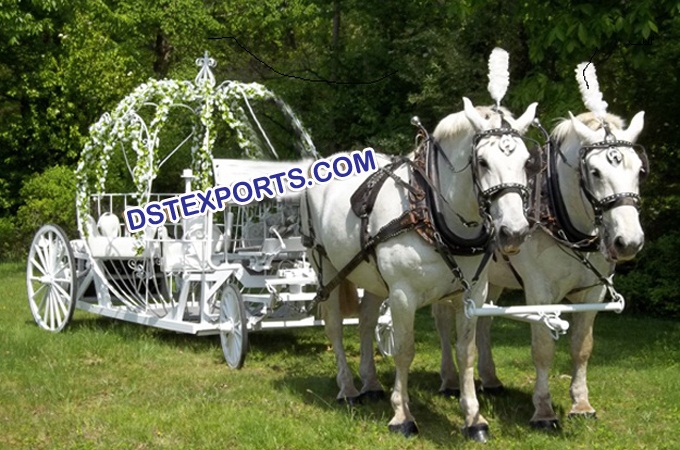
{"x":125,"y":126}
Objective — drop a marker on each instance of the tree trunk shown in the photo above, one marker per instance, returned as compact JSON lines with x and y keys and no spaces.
{"x":163,"y":49}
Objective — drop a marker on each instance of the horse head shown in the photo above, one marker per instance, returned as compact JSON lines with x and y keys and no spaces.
{"x":499,"y":160}
{"x":611,"y":167}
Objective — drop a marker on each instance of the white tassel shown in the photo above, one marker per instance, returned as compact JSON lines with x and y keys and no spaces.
{"x":499,"y":76}
{"x":590,"y":89}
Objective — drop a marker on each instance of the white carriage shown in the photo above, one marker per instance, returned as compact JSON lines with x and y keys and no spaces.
{"x":228,"y":273}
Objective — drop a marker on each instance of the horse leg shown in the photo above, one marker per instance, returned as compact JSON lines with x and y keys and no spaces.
{"x":485,"y":365}
{"x":444,"y":318}
{"x":403,"y":318}
{"x":332,"y":318}
{"x":476,"y":426}
{"x":581,"y":349}
{"x":368,"y":321}
{"x":543,"y":352}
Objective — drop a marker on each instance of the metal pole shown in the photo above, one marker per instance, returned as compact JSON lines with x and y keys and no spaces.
{"x":490,"y":310}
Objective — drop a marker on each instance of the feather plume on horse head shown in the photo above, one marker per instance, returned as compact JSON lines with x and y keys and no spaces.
{"x":499,"y":76}
{"x":590,"y":89}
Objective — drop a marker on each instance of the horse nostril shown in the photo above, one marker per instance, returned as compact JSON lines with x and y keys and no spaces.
{"x":632,"y":246}
{"x":512,"y":237}
{"x":619,"y":243}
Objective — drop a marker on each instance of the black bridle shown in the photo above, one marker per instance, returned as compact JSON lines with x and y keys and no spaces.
{"x":602,"y":205}
{"x":486,"y":196}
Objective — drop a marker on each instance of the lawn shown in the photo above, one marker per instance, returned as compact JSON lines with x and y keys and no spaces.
{"x":107,"y":384}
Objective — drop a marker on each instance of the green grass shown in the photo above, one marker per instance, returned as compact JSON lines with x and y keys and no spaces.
{"x":107,"y":384}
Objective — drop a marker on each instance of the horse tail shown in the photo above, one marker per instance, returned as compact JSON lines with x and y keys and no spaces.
{"x":349,"y":299}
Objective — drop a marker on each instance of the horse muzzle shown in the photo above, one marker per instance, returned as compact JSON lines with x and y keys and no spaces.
{"x":510,"y":240}
{"x":621,"y":249}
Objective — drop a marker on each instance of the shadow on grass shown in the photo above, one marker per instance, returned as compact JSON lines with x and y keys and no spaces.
{"x":439,"y":418}
{"x":320,"y":391}
{"x":269,"y":342}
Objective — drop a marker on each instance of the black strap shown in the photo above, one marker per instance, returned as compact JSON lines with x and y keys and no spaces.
{"x":364,"y":198}
{"x":407,"y":221}
{"x":569,"y":233}
{"x":514,"y":271}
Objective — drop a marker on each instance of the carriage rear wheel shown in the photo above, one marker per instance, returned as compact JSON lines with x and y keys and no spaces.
{"x":384,"y":332}
{"x":233,"y":327}
{"x":51,"y":278}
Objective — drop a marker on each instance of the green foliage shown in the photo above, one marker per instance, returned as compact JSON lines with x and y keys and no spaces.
{"x":48,"y":198}
{"x":9,"y":250}
{"x":652,"y":286}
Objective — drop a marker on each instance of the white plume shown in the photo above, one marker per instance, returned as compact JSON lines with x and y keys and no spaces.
{"x":499,"y":76}
{"x":590,"y":89}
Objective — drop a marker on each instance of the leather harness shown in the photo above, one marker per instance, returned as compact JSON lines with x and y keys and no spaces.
{"x":423,"y":215}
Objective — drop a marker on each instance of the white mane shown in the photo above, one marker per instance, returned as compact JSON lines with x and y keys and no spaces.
{"x":564,"y":129}
{"x":455,"y":124}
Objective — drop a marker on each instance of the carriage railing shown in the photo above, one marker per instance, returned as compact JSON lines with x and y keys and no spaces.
{"x":144,"y":273}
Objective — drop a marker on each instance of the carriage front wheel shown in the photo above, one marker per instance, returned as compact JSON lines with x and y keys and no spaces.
{"x":51,"y":278}
{"x":233,"y":327}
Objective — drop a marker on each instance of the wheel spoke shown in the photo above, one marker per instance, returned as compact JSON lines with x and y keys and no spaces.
{"x":57,"y":307}
{"x":62,"y":291}
{"x":42,"y":257}
{"x":49,"y":263}
{"x":60,"y":267}
{"x":62,"y":300}
{"x":62,"y":280}
{"x":42,"y":301}
{"x":50,"y":309}
{"x":37,"y":265}
{"x":46,"y":309}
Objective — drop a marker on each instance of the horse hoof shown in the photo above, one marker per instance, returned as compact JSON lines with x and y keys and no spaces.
{"x":494,"y":391}
{"x":583,"y":415}
{"x":407,"y":429}
{"x":449,"y":393}
{"x":551,"y":425}
{"x":477,"y":433}
{"x":372,"y":396}
{"x":349,"y":401}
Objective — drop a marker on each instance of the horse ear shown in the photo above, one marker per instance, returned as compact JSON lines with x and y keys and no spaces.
{"x":522,"y":123}
{"x":583,"y":131}
{"x":473,"y":115}
{"x":635,"y":127}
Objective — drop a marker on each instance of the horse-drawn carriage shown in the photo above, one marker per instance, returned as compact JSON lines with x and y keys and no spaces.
{"x":245,"y":268}
{"x":228,"y":273}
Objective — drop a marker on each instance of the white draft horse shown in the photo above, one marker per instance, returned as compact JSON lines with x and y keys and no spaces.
{"x":408,"y":270}
{"x":598,"y":173}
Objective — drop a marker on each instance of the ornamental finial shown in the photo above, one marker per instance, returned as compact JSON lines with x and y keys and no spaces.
{"x":205,"y":75}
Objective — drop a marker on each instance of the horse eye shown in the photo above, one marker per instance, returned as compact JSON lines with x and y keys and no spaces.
{"x":483,"y":163}
{"x":595,"y":173}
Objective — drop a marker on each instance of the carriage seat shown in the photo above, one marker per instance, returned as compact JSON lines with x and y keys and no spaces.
{"x":193,"y":252}
{"x":105,"y":241}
